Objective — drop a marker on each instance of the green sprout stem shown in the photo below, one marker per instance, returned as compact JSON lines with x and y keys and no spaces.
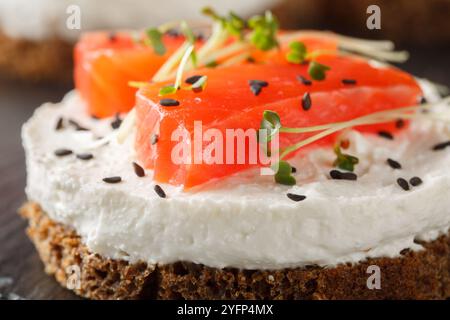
{"x":182,"y":65}
{"x":373,"y":118}
{"x":167,"y":67}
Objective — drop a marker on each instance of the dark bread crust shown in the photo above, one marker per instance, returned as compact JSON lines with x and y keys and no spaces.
{"x":415,"y":275}
{"x":47,"y":61}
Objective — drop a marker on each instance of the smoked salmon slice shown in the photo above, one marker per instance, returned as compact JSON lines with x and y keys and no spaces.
{"x":228,"y":103}
{"x":105,"y":63}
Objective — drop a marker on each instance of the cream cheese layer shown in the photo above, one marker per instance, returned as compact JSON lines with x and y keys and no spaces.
{"x":244,"y":221}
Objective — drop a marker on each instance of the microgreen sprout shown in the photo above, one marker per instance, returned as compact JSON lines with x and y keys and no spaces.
{"x":284,"y":174}
{"x":210,"y":12}
{"x":190,"y":37}
{"x":235,"y":25}
{"x":211,"y":64}
{"x":271,"y":122}
{"x":344,"y":161}
{"x":171,"y":89}
{"x":154,"y":39}
{"x":188,"y":53}
{"x":264,"y":31}
{"x":166,"y":90}
{"x":297,"y":52}
{"x":317,"y":71}
{"x":232,"y":23}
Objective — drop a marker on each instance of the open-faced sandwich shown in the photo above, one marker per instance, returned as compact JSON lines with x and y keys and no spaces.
{"x":248,"y":163}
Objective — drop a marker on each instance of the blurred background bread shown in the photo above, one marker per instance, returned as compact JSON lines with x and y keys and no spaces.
{"x":407,"y":22}
{"x":49,"y":60}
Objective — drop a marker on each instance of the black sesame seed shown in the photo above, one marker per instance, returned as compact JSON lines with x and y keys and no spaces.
{"x":349,"y":176}
{"x":112,"y":179}
{"x":112,"y":36}
{"x":415,"y":181}
{"x":306,"y":101}
{"x":154,"y":139}
{"x":257,"y":85}
{"x":173,"y":33}
{"x":441,"y":146}
{"x":251,"y":60}
{"x":255,"y":89}
{"x":423,"y":100}
{"x":393,"y":164}
{"x":304,"y":81}
{"x":63,"y":152}
{"x":82,"y":129}
{"x":169,"y":102}
{"x":117,"y":122}
{"x":400,"y":123}
{"x":73,"y":123}
{"x":59,"y":124}
{"x":138,"y":170}
{"x":192,"y":79}
{"x":200,"y":36}
{"x":85,"y":156}
{"x":338,"y":175}
{"x":159,"y":191}
{"x":405,"y":251}
{"x":335,"y":174}
{"x":348,"y":81}
{"x":294,"y":169}
{"x":403,"y":184}
{"x":77,"y":126}
{"x":197,"y":89}
{"x":386,"y":135}
{"x":295,"y":197}
{"x":260,"y":83}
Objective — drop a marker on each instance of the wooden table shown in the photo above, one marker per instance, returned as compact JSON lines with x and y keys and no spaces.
{"x":21,"y":272}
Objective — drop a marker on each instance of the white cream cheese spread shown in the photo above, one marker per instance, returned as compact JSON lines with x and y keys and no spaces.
{"x":244,"y":221}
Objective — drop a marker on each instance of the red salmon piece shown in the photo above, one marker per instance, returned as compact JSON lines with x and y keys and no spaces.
{"x":228,"y":103}
{"x":105,"y":63}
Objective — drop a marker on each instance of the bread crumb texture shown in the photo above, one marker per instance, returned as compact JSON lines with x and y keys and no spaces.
{"x":414,"y":275}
